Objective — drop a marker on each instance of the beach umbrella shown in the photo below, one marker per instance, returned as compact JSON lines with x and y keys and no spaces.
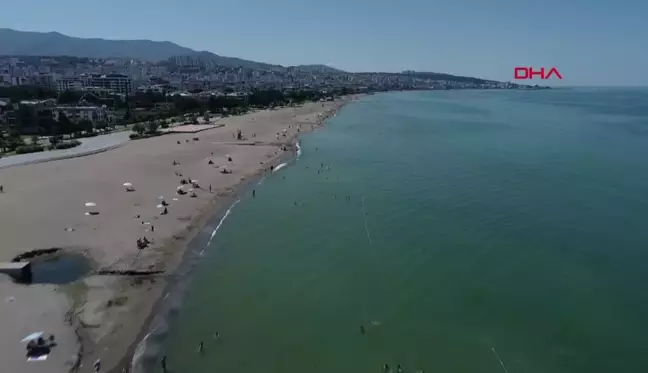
{"x":161,"y":198}
{"x":160,"y":206}
{"x":32,"y":336}
{"x":180,"y":187}
{"x":127,"y":185}
{"x":90,"y":204}
{"x":191,"y":189}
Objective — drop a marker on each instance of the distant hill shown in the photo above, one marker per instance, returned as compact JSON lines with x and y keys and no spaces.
{"x":324,"y":69}
{"x":29,"y":43}
{"x":442,"y":76}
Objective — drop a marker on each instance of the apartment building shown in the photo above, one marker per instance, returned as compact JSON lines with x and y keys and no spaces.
{"x":70,"y":84}
{"x":116,"y":82}
{"x":77,"y":113}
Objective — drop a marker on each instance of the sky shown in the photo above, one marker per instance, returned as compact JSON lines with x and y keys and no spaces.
{"x":593,"y":43}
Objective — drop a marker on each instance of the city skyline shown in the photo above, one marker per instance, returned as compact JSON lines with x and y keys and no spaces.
{"x":591,"y":43}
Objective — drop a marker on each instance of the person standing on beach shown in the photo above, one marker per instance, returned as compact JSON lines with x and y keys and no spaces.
{"x":97,"y":365}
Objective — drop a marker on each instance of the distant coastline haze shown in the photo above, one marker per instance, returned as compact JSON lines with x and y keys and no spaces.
{"x":599,"y":43}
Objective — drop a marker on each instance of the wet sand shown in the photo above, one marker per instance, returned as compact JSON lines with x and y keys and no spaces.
{"x":43,"y":206}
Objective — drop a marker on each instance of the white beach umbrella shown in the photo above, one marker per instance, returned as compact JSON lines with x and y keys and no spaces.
{"x":127,"y":185}
{"x":180,"y":187}
{"x":90,"y":204}
{"x":161,"y":198}
{"x":32,"y":336}
{"x":191,"y":189}
{"x":160,"y":206}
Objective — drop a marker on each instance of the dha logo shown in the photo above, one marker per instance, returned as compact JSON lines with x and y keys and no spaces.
{"x":527,"y":73}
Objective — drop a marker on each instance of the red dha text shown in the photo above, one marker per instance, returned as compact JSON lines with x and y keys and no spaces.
{"x":522,"y":73}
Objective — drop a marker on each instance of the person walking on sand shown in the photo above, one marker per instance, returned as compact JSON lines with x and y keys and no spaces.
{"x":1,"y":188}
{"x":97,"y":365}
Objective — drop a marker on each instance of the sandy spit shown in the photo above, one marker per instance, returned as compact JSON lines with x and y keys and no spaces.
{"x":43,"y":206}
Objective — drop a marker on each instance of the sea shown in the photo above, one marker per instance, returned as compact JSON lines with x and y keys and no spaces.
{"x":500,"y":231}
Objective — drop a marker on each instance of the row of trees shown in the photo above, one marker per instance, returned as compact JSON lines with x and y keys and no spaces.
{"x":29,"y":121}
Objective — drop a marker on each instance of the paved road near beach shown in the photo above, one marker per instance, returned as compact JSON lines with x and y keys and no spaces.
{"x":88,"y":145}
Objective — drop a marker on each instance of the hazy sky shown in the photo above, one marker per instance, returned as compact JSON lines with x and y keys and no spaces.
{"x":595,"y":42}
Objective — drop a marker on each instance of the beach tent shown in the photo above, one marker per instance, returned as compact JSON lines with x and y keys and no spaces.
{"x":32,"y":336}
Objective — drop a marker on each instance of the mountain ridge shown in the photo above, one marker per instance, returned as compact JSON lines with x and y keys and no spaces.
{"x":34,"y":43}
{"x":55,"y":44}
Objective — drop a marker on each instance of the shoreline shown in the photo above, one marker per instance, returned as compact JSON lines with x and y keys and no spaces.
{"x":143,"y":352}
{"x":106,"y":311}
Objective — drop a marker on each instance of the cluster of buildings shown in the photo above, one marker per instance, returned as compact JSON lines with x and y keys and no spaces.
{"x":32,"y":114}
{"x":186,"y":73}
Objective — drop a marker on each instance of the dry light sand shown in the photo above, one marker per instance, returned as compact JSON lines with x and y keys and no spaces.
{"x":102,"y":315}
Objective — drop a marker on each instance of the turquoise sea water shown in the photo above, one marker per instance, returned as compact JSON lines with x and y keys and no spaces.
{"x":481,"y":224}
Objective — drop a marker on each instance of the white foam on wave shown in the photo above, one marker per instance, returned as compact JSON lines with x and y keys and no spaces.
{"x":298,"y":149}
{"x":279,"y":167}
{"x":229,"y":210}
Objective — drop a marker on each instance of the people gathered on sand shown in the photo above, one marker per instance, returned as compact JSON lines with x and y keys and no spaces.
{"x":39,"y":346}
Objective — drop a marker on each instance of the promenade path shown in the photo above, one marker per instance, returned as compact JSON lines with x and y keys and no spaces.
{"x":89,"y":145}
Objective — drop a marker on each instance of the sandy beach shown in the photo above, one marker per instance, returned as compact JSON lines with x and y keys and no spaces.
{"x":44,"y":206}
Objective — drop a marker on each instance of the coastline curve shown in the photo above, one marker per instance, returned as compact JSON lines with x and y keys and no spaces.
{"x":144,"y":352}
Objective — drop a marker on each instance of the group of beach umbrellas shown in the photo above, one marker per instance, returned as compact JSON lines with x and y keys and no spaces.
{"x":91,"y":205}
{"x":129,"y":188}
{"x":91,"y":208}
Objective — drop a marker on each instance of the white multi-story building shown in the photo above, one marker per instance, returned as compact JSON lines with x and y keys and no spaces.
{"x":69,"y":84}
{"x":117,"y":82}
{"x":77,"y":113}
{"x":156,"y":88}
